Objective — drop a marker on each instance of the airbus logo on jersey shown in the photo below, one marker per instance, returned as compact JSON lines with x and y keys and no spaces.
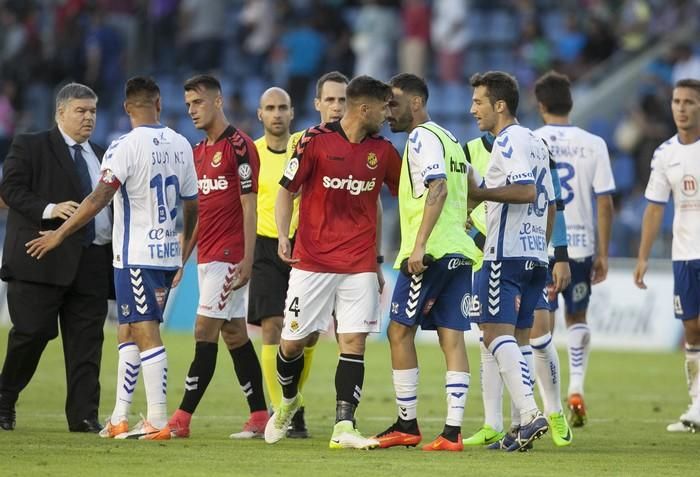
{"x":354,"y":186}
{"x":206,"y":185}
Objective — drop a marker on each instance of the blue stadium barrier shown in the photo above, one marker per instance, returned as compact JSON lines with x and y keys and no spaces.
{"x":182,"y":302}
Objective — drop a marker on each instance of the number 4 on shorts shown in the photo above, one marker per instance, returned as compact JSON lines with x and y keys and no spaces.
{"x":294,"y":307}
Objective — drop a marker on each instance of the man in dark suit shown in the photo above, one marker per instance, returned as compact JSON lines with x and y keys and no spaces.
{"x":46,"y":175}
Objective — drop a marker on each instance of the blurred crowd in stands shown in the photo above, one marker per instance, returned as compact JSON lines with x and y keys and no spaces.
{"x":252,"y":44}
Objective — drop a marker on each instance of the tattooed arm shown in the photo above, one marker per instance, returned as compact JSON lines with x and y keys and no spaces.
{"x":437,"y":194}
{"x":89,"y":208}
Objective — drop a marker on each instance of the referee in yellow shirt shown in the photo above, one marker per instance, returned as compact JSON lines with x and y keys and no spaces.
{"x":268,"y":282}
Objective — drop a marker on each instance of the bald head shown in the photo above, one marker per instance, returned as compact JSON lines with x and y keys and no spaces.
{"x":275,"y":112}
{"x":275,"y":94}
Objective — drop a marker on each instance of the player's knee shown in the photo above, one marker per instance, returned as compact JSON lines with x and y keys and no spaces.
{"x":292,"y":349}
{"x":206,"y":330}
{"x":399,"y":334}
{"x":575,"y":318}
{"x":352,"y":343}
{"x":692,"y":331}
{"x":271,"y":330}
{"x":234,"y":337}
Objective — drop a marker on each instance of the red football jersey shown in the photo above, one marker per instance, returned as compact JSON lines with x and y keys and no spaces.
{"x":340,"y":183}
{"x":225,"y":170}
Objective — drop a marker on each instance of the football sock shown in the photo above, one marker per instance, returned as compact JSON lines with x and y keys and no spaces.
{"x":268,"y":362}
{"x":288,"y":374}
{"x":515,"y":374}
{"x":247,"y":367}
{"x":491,"y":389}
{"x":154,"y":365}
{"x":451,"y":433}
{"x":526,"y":351}
{"x":405,"y":387}
{"x":349,"y":377}
{"x":200,"y":374}
{"x":308,"y":360}
{"x":127,"y":377}
{"x":578,"y":339}
{"x":547,"y":372}
{"x":692,"y":372}
{"x":456,"y":390}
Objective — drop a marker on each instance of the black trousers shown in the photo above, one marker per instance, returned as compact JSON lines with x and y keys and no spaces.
{"x":38,"y":311}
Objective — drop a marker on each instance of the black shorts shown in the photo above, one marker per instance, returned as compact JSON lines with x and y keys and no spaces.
{"x":268,"y":282}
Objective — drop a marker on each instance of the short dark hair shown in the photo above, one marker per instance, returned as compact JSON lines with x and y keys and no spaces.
{"x":553,"y":90}
{"x":334,"y":77}
{"x":412,"y":84}
{"x":73,"y":91}
{"x":141,"y":88}
{"x":207,"y":82}
{"x":367,"y":87}
{"x":691,"y":83}
{"x":500,"y":86}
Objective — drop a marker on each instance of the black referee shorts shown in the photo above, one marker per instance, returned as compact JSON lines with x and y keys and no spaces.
{"x":268,"y":282}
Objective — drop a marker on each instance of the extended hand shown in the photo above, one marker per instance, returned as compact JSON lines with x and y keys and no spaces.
{"x":600,"y":270}
{"x":415,"y":261}
{"x":177,"y":278}
{"x":284,"y":251}
{"x":639,"y":272}
{"x":380,"y":278}
{"x":561,"y":276}
{"x":39,"y":247}
{"x":64,"y":210}
{"x":243,"y":271}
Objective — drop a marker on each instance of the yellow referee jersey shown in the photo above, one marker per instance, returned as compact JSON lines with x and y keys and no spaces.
{"x":272,"y":164}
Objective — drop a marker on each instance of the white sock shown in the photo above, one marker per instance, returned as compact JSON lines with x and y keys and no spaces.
{"x":515,"y":420}
{"x":547,"y":372}
{"x":127,"y":377}
{"x":692,"y":372}
{"x":406,"y":388}
{"x":578,"y":339}
{"x":514,"y":415}
{"x":154,"y":363}
{"x":456,"y":389}
{"x":515,"y":374}
{"x":491,"y":389}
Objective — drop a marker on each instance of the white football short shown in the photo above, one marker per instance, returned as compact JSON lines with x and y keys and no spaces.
{"x":312,"y":297}
{"x":217,"y":299}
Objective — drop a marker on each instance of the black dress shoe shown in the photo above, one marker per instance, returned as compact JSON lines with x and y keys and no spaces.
{"x":7,"y":419}
{"x":87,"y":425}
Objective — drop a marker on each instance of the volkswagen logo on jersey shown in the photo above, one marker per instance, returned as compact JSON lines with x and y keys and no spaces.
{"x":372,"y":161}
{"x":244,"y":171}
{"x":216,"y":160}
{"x":466,"y":305}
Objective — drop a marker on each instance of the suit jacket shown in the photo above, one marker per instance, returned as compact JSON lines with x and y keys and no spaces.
{"x":39,"y":170}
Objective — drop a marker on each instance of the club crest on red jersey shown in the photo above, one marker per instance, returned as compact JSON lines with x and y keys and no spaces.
{"x":216,"y":160}
{"x":372,"y":161}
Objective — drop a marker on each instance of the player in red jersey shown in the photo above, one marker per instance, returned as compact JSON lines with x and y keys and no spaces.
{"x":339,"y":168}
{"x":227,"y":169}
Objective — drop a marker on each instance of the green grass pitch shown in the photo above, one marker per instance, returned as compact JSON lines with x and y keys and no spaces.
{"x":630,"y":396}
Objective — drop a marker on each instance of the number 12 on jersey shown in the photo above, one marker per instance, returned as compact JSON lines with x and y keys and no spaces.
{"x":164,"y":206}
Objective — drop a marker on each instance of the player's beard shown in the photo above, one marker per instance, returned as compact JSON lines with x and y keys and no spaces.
{"x":402,"y":123}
